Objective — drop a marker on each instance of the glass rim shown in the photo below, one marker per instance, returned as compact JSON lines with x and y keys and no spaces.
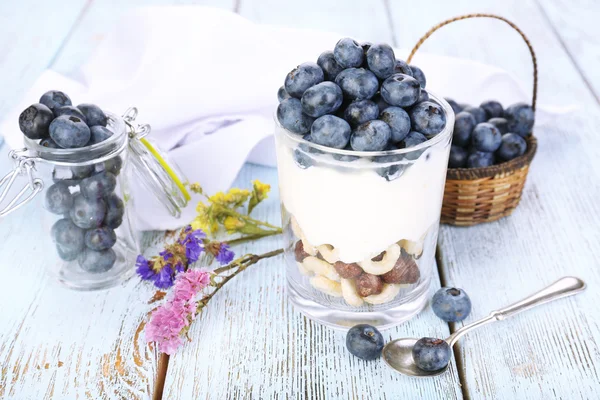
{"x":425,"y":145}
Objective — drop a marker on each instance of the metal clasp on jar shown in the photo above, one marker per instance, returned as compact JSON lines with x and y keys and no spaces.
{"x":136,"y":131}
{"x":24,"y":166}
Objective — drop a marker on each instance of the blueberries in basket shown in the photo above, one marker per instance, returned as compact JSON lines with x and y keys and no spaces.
{"x":418,"y":74}
{"x":381,"y":60}
{"x":49,"y":143}
{"x":401,"y":67}
{"x":492,"y":108}
{"x":97,"y":261}
{"x":400,"y":90}
{"x":100,"y":238}
{"x":87,"y":213}
{"x":302,"y":77}
{"x":35,"y":120}
{"x":464,"y":123}
{"x":431,"y":354}
{"x":70,"y":110}
{"x":282,"y":94}
{"x":458,"y":157}
{"x":479,"y":159}
{"x":98,"y":186}
{"x":323,"y":98}
{"x":399,"y":122}
{"x":428,"y":118}
{"x":451,"y":304}
{"x":361,"y":111}
{"x":512,"y":146}
{"x":330,"y":67}
{"x":93,"y":114}
{"x":330,"y":131}
{"x":68,"y":237}
{"x":59,"y":199}
{"x":357,"y":83}
{"x":291,"y":117}
{"x":371,"y":136}
{"x":69,"y":132}
{"x":520,"y":118}
{"x":478,"y":113}
{"x":455,"y":106}
{"x":365,"y":342}
{"x":115,"y":209}
{"x":55,"y":99}
{"x":348,"y":53}
{"x":486,"y":137}
{"x":500,"y":123}
{"x":99,"y":134}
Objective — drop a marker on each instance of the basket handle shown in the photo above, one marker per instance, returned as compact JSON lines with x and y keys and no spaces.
{"x":478,"y":15}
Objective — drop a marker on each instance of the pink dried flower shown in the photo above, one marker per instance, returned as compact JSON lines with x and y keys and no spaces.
{"x":190,"y":283}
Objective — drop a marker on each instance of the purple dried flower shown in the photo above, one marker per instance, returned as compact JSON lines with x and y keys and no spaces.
{"x":143,"y":268}
{"x":224,"y":255}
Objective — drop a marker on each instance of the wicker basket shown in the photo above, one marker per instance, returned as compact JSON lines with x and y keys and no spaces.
{"x":477,"y":195}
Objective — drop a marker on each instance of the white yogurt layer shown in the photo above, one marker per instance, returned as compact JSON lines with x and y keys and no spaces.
{"x":357,"y":211}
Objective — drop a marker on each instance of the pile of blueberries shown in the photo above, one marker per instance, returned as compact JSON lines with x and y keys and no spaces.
{"x":84,"y":196}
{"x":489,"y":134}
{"x":358,"y":97}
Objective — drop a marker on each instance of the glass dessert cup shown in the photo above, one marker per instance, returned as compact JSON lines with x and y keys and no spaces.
{"x":360,"y":228}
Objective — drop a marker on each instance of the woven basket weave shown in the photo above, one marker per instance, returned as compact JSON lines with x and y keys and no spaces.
{"x":477,"y":195}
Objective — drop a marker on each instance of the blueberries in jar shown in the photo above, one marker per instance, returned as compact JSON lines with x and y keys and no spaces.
{"x":458,"y":157}
{"x":521,"y":118}
{"x":97,"y":261}
{"x":55,"y":99}
{"x":512,"y":146}
{"x":393,"y":171}
{"x":345,"y":157}
{"x":93,"y":114}
{"x":477,"y":112}
{"x":486,"y":137}
{"x":357,"y":83}
{"x":500,"y":123}
{"x":361,"y":111}
{"x":424,"y":96}
{"x":99,"y":134}
{"x":464,"y":123}
{"x":381,"y":60}
{"x":98,"y":186}
{"x":302,"y":77}
{"x":451,"y":304}
{"x":371,"y":136}
{"x":401,"y":67}
{"x":49,"y":143}
{"x":87,"y":213}
{"x":323,"y":98}
{"x":66,"y":254}
{"x":70,"y":110}
{"x":348,"y":53}
{"x":100,"y":238}
{"x":399,"y":122}
{"x":59,"y":199}
{"x":400,"y":90}
{"x":330,"y":67}
{"x":69,"y":132}
{"x":291,"y":117}
{"x":428,"y":118}
{"x":431,"y":354}
{"x":365,"y":342}
{"x":113,"y":165}
{"x":492,"y":108}
{"x":478,"y":159}
{"x":330,"y":131}
{"x":83,"y":171}
{"x":35,"y":121}
{"x":68,"y":237}
{"x":115,"y":209}
{"x":412,"y":139}
{"x":418,"y":74}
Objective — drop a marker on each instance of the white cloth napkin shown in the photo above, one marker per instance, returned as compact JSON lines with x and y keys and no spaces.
{"x":206,"y":81}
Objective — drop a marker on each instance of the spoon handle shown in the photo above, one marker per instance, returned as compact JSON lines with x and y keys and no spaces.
{"x":563,"y":287}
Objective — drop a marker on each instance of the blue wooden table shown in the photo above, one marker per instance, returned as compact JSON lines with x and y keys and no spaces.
{"x":250,"y":343}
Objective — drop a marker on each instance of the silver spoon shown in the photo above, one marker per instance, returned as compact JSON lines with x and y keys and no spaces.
{"x":398,"y":353}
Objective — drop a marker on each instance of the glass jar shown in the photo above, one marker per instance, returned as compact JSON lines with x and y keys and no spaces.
{"x":360,"y":228}
{"x":86,"y":202}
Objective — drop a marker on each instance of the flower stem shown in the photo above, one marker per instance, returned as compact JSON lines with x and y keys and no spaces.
{"x":256,"y":236}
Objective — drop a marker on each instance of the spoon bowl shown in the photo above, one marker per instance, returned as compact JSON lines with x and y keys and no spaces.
{"x":398,"y":355}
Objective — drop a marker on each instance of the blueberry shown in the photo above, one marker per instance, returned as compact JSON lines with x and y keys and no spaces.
{"x":486,"y":137}
{"x":35,"y":120}
{"x":99,"y":134}
{"x":377,"y":99}
{"x":301,"y":154}
{"x":346,"y":157}
{"x":69,"y":132}
{"x":451,"y":304}
{"x":115,"y":209}
{"x":428,"y":118}
{"x":371,"y":136}
{"x":492,"y":108}
{"x":365,"y":46}
{"x":86,"y":213}
{"x":398,"y":120}
{"x":82,"y":172}
{"x":67,"y":236}
{"x":381,"y":60}
{"x":357,"y":83}
{"x":464,"y":123}
{"x":282,"y":94}
{"x":424,"y":96}
{"x":418,"y":74}
{"x":291,"y":117}
{"x":323,"y":98}
{"x":512,"y":146}
{"x":431,"y":354}
{"x":393,"y":171}
{"x":477,"y":112}
{"x":49,"y":143}
{"x":458,"y":157}
{"x":302,"y":77}
{"x":98,"y":186}
{"x":93,"y":114}
{"x":55,"y":99}
{"x":520,"y":119}
{"x":400,"y":90}
{"x":365,"y":342}
{"x":478,"y":159}
{"x":348,"y":53}
{"x":59,"y":199}
{"x":500,"y":123}
{"x":330,"y":67}
{"x":361,"y":111}
{"x":65,"y":176}
{"x":70,"y":110}
{"x":65,"y":254}
{"x":401,"y":67}
{"x":114,"y":165}
{"x":455,"y":106}
{"x":100,"y":238}
{"x":330,"y":131}
{"x":97,"y":261}
{"x":413,"y":138}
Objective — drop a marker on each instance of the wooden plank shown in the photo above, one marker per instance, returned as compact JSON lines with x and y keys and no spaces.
{"x":251,"y":343}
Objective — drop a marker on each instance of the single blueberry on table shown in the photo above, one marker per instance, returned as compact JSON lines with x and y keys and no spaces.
{"x":55,"y":99}
{"x":115,"y":209}
{"x":69,"y":132}
{"x":479,"y":159}
{"x":492,"y":108}
{"x":521,"y":118}
{"x":330,"y":131}
{"x":330,"y":67}
{"x":93,"y":114}
{"x":398,"y":120}
{"x":100,"y":238}
{"x":401,"y":67}
{"x":371,"y":136}
{"x":98,"y":186}
{"x":282,"y":94}
{"x":348,"y":53}
{"x":478,"y":113}
{"x":112,"y":165}
{"x":500,"y":123}
{"x":400,"y":90}
{"x":458,"y":157}
{"x":413,"y":139}
{"x":361,"y":111}
{"x":35,"y":121}
{"x":70,"y":110}
{"x":512,"y":146}
{"x":451,"y":304}
{"x":381,"y":60}
{"x":291,"y":117}
{"x":486,"y":137}
{"x":99,"y":134}
{"x":59,"y":199}
{"x":66,"y":235}
{"x":365,"y":342}
{"x":49,"y":143}
{"x":97,"y":261}
{"x":357,"y":83}
{"x":302,"y":77}
{"x":323,"y":98}
{"x":427,"y":118}
{"x":464,"y":123}
{"x":418,"y":74}
{"x":86,"y":213}
{"x":455,"y":106}
{"x":431,"y":354}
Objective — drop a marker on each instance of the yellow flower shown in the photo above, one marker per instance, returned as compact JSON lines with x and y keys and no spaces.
{"x":218,"y":198}
{"x":196,"y":188}
{"x":235,"y":198}
{"x":232,"y":224}
{"x":261,"y":189}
